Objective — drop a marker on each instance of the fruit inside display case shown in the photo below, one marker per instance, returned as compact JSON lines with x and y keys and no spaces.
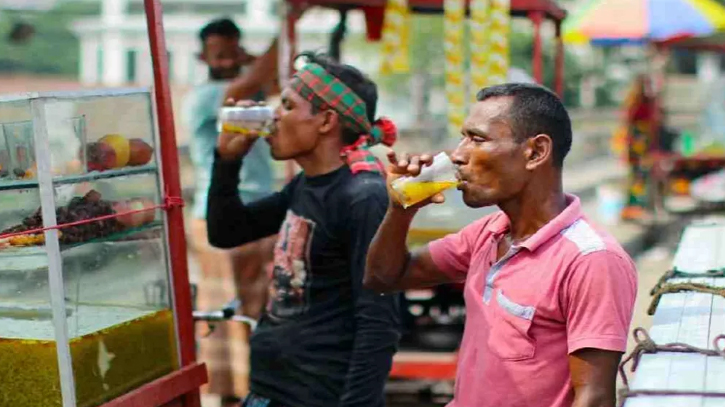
{"x":88,"y":208}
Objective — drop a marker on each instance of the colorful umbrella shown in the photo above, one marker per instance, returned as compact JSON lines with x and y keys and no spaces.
{"x":611,"y":22}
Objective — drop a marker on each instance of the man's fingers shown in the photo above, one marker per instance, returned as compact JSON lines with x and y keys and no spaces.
{"x":426,"y":159}
{"x":392,"y":157}
{"x":229,"y":102}
{"x":438,"y":198}
{"x":414,"y":166}
{"x":246,"y":103}
{"x":403,"y":161}
{"x":408,"y":164}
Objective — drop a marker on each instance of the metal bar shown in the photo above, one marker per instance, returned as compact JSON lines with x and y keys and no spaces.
{"x":52,"y":248}
{"x":559,"y":63}
{"x":172,"y":184}
{"x":165,"y":389}
{"x":537,"y":17}
{"x":74,"y":94}
{"x":289,"y":39}
{"x":549,"y":9}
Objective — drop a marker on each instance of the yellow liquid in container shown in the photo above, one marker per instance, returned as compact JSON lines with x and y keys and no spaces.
{"x":414,"y":192}
{"x":106,"y":363}
{"x":235,"y":128}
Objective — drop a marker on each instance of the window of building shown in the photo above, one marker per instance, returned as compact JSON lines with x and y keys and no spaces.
{"x":131,"y":63}
{"x":99,"y":63}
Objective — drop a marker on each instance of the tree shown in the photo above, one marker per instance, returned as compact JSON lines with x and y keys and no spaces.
{"x":53,"y":49}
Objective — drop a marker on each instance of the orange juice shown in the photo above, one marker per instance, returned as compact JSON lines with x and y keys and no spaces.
{"x":230,"y":127}
{"x":413,"y":192}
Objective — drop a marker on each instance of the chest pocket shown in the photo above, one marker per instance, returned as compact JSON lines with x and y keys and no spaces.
{"x":510,"y":338}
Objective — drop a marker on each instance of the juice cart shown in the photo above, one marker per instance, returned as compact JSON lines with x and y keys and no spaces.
{"x":95,"y":302}
{"x":425,"y":366}
{"x":676,"y":175}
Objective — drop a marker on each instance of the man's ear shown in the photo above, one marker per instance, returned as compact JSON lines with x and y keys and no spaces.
{"x":539,"y":149}
{"x":201,"y":56}
{"x":329,"y":120}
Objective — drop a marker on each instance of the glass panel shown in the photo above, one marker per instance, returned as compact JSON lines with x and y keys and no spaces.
{"x":17,"y":154}
{"x":106,"y":136}
{"x":28,"y":361}
{"x":114,"y":270}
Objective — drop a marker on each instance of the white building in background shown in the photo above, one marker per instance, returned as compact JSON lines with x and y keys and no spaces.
{"x":114,"y":46}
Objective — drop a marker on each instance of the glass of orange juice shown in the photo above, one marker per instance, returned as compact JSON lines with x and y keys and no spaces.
{"x":435,"y":178}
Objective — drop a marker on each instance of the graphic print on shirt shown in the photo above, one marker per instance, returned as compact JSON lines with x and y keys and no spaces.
{"x":287,"y":291}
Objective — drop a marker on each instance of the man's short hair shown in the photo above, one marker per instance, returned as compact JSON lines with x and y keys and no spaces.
{"x":535,"y":110}
{"x":354,"y":79}
{"x":223,"y":27}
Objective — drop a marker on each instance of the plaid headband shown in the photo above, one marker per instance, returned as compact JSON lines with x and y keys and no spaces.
{"x":325,"y":91}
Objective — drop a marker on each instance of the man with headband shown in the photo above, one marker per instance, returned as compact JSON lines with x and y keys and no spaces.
{"x":323,"y":340}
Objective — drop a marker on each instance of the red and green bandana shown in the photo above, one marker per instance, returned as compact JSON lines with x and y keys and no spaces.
{"x":324,"y":91}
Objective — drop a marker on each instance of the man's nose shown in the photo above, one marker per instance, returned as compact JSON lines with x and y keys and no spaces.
{"x":459,"y":156}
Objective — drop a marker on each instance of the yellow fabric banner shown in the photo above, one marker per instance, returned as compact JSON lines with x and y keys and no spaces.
{"x":480,"y":37}
{"x":499,"y":29}
{"x":454,"y":17}
{"x":396,"y":38}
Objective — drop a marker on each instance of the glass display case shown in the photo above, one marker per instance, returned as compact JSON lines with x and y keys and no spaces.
{"x":85,"y":294}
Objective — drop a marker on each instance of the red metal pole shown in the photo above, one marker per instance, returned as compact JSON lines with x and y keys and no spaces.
{"x":172,"y":183}
{"x":291,"y":30}
{"x":537,"y":17}
{"x":559,"y":63}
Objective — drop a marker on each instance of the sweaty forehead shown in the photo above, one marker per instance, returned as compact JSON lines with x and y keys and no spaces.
{"x":489,"y":114}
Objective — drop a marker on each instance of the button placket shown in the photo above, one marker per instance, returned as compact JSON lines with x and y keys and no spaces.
{"x":495,"y":269}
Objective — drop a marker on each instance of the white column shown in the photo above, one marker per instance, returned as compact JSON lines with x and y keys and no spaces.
{"x":257,"y":12}
{"x":183,"y":53}
{"x":708,"y":67}
{"x":88,"y":69}
{"x":114,"y":61}
{"x":113,"y":10}
{"x":113,"y":13}
{"x":145,"y":67}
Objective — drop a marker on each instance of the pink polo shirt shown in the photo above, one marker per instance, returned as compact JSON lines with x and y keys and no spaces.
{"x":567,"y":287}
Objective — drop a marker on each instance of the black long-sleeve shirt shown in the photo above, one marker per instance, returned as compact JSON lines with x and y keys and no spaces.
{"x":324,"y":340}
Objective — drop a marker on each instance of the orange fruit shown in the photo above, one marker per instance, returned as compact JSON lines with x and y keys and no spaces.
{"x":120,"y":146}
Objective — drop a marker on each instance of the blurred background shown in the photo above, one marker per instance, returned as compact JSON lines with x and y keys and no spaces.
{"x":69,"y":44}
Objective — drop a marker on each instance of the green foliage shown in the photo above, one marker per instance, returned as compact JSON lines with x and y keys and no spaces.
{"x":53,"y":49}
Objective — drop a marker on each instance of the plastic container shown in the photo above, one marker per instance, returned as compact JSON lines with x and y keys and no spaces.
{"x":243,"y":120}
{"x":610,"y":204}
{"x":433,"y":179}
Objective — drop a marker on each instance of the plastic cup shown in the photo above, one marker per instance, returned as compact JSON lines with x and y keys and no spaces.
{"x":433,"y":179}
{"x":244,"y":120}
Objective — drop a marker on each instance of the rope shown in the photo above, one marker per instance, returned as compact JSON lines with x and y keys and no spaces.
{"x":680,"y":287}
{"x":169,"y":202}
{"x":645,"y":344}
{"x":676,"y":273}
